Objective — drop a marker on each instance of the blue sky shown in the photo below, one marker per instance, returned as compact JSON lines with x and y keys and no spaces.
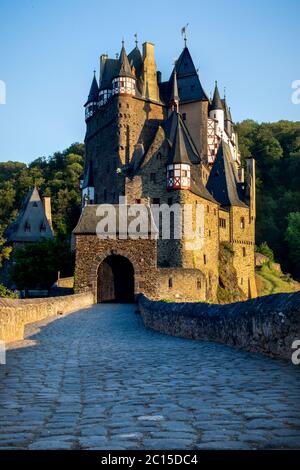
{"x":48,"y":51}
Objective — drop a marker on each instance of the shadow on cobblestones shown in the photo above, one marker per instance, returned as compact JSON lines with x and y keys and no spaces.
{"x":97,"y":379}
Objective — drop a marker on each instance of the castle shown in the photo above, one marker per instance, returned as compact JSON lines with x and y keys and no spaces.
{"x":162,"y":142}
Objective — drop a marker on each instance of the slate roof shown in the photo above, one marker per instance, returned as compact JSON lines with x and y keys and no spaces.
{"x":88,"y":180}
{"x":94,"y":91}
{"x":182,"y":148}
{"x":136,"y":60}
{"x":110,"y":71}
{"x":222,"y":182}
{"x":216,"y":101}
{"x":189,"y":86}
{"x":124,"y":66}
{"x":89,"y":219}
{"x":31,"y":214}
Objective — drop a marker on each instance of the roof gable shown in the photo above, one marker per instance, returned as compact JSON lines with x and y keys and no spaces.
{"x":31,"y":223}
{"x":222,"y":182}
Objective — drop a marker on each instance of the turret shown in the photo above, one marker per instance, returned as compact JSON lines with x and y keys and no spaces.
{"x":124,"y":81}
{"x":174,"y":98}
{"x":91,"y":105}
{"x":217,"y":110}
{"x":227,"y":118}
{"x":105,"y":89}
{"x":179,"y":163}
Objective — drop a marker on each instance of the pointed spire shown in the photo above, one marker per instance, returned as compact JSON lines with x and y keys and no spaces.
{"x":188,"y":79}
{"x":216,"y":102}
{"x":94,"y":90}
{"x":174,"y":98}
{"x":124,"y":66}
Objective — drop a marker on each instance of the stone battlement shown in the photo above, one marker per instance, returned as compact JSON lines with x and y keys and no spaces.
{"x":15,"y":314}
{"x":266,"y":325}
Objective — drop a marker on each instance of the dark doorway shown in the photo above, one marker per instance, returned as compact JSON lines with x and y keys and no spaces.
{"x":115,"y":280}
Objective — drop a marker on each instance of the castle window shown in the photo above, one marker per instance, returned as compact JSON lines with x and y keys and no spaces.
{"x":155,"y":200}
{"x":244,"y":252}
{"x":184,"y":116}
{"x":170,"y":283}
{"x":204,"y":259}
{"x":242,"y":281}
{"x":138,"y":201}
{"x":242,"y":222}
{"x":42,"y":227}
{"x":215,"y":211}
{"x":222,"y":223}
{"x":170,"y":201}
{"x":198,"y":283}
{"x":153,"y":177}
{"x":27,"y":227}
{"x":209,"y":233}
{"x":207,"y":209}
{"x":35,"y":204}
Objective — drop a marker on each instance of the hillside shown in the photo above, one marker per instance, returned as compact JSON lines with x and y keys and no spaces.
{"x":272,"y":281}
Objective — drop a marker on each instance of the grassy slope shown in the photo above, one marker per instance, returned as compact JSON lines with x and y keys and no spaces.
{"x":270,"y":281}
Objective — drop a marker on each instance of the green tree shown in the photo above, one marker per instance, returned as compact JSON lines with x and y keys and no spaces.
{"x":36,"y":265}
{"x":292,"y":237}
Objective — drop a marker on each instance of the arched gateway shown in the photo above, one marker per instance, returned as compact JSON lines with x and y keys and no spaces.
{"x":115,"y":280}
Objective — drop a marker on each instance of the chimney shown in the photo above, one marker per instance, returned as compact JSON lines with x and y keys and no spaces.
{"x":150,"y":90}
{"x":47,"y":209}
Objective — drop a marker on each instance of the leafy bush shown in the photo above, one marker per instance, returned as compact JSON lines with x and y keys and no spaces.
{"x":6,"y":293}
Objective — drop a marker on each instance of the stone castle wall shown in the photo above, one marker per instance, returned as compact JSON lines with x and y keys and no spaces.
{"x":15,"y":314}
{"x":266,"y":325}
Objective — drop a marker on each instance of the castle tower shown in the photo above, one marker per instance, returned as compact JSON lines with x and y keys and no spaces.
{"x":193,"y":101}
{"x":217,"y":110}
{"x":123,"y":83}
{"x":91,"y":105}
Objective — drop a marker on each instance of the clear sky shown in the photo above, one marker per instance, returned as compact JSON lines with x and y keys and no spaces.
{"x":48,"y":50}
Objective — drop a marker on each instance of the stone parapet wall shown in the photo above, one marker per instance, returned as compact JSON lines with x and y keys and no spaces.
{"x":15,"y":314}
{"x":266,"y":325}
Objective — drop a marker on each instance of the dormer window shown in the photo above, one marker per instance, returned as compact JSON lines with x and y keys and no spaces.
{"x":42,"y":227}
{"x":35,"y":204}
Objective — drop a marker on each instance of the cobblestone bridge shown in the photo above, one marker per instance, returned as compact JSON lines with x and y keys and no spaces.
{"x":97,"y":379}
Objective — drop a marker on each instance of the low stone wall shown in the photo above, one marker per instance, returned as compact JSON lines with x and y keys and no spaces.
{"x":15,"y":314}
{"x":267,"y":324}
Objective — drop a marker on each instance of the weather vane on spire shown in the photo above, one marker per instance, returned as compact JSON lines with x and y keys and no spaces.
{"x":123,"y":42}
{"x":183,"y":33}
{"x":136,"y":39}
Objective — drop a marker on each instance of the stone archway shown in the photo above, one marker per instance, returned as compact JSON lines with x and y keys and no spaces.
{"x":115,"y":280}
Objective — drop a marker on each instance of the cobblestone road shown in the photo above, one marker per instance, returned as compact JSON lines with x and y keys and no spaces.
{"x":96,"y":379}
